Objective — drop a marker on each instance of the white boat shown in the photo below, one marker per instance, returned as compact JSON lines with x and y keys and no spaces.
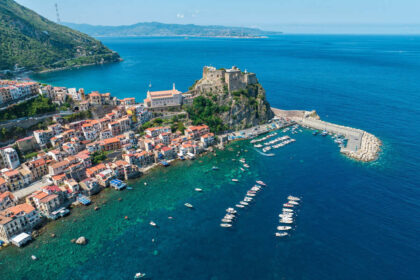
{"x":284,"y":227}
{"x":225,"y":225}
{"x":226,"y":220}
{"x":246,"y":165}
{"x":250,"y":194}
{"x":290,"y":197}
{"x":153,"y":224}
{"x":239,"y":206}
{"x":287,"y":210}
{"x":258,"y":146}
{"x":33,"y":257}
{"x":242,"y":169}
{"x":286,"y":215}
{"x":231,"y":210}
{"x":244,"y":203}
{"x":293,"y":202}
{"x":198,"y":190}
{"x":235,"y":180}
{"x":288,"y":205}
{"x":188,"y":205}
{"x":229,"y":216}
{"x":139,"y":275}
{"x":242,"y":160}
{"x":247,"y":199}
{"x":286,"y":221}
{"x":281,"y":234}
{"x":261,"y":183}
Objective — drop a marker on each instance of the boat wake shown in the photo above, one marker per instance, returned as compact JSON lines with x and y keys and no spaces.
{"x":264,"y":154}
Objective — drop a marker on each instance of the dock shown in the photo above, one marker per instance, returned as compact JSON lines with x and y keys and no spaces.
{"x":361,"y":145}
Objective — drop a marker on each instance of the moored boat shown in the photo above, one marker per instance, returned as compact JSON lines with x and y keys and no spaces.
{"x":226,"y":225}
{"x":189,"y":205}
{"x":261,"y":183}
{"x":284,"y":227}
{"x":281,"y":234}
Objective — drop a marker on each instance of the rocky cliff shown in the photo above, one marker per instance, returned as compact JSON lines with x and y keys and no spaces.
{"x":238,"y":97}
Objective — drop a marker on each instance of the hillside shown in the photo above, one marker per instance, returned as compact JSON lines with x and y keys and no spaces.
{"x":228,"y":99}
{"x":162,"y":29}
{"x":33,"y":42}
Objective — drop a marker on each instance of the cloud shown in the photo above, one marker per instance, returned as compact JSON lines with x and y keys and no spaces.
{"x":180,"y":15}
{"x":195,"y":13}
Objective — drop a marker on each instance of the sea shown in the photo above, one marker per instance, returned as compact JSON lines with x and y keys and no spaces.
{"x":355,"y":221}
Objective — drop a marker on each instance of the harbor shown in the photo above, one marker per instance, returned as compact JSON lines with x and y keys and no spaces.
{"x":361,"y":145}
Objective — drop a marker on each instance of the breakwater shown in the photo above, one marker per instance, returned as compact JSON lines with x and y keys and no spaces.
{"x":361,"y":145}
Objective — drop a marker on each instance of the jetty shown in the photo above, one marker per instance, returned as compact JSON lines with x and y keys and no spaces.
{"x":361,"y":145}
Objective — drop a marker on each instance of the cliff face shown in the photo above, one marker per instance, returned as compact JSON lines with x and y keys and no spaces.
{"x":239,"y":95}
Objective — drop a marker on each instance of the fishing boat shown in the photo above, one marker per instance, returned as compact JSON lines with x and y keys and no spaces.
{"x":281,"y":234}
{"x":139,"y":275}
{"x":250,"y":194}
{"x":198,"y":190}
{"x":226,"y":225}
{"x":239,"y":206}
{"x":288,"y":210}
{"x":224,"y":220}
{"x":286,"y":215}
{"x":189,"y":205}
{"x":261,"y":183}
{"x":284,"y":227}
{"x":290,"y":197}
{"x":247,"y":199}
{"x":293,"y":202}
{"x":288,"y":205}
{"x":284,"y":221}
{"x":244,"y":203}
{"x":153,"y":224}
{"x":235,"y":180}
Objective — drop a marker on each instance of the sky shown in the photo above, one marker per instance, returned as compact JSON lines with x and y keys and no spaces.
{"x":293,"y":16}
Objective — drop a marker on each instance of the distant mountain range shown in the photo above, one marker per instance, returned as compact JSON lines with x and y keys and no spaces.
{"x":162,"y":29}
{"x":35,"y":43}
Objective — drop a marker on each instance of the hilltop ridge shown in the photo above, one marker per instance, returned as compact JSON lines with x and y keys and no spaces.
{"x":35,"y":43}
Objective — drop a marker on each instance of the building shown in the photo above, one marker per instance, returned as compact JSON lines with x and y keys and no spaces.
{"x":27,"y":144}
{"x":38,"y":168}
{"x":195,"y":132}
{"x":163,"y":99}
{"x":10,"y":158}
{"x":155,"y":131}
{"x":7,"y":199}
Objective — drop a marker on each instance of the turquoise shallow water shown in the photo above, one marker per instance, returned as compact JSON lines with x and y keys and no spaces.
{"x":357,"y":220}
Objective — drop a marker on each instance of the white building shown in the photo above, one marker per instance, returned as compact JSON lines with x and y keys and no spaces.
{"x":11,"y":158}
{"x":163,"y":99}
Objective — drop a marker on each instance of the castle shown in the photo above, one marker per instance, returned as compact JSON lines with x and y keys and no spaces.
{"x":234,"y":78}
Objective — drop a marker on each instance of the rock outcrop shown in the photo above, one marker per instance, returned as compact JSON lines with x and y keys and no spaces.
{"x":240,"y":96}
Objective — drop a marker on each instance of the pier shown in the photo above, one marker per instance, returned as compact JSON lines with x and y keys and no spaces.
{"x":361,"y":145}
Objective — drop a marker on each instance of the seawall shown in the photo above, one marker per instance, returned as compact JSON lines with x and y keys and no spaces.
{"x":361,"y":145}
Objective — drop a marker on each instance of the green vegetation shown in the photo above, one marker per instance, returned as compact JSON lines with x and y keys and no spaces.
{"x":78,"y":116}
{"x":98,"y":157}
{"x":32,"y":41}
{"x":204,"y":111}
{"x":176,"y":123}
{"x":14,"y":133}
{"x":30,"y":108}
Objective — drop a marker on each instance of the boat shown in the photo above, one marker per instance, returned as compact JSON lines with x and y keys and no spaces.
{"x":239,"y":206}
{"x":246,"y":165}
{"x":231,"y":210}
{"x":189,"y":205}
{"x":290,"y":197}
{"x":288,"y":205}
{"x":153,"y":224}
{"x":33,"y":257}
{"x":286,"y":215}
{"x":242,"y":160}
{"x":284,"y":227}
{"x":293,"y":202}
{"x":229,"y":216}
{"x":139,"y":275}
{"x":248,"y":199}
{"x":315,"y":132}
{"x":261,"y":183}
{"x":242,"y":169}
{"x":287,"y":210}
{"x":170,"y":218}
{"x":281,"y":234}
{"x":250,"y":194}
{"x":198,"y":190}
{"x":244,"y":203}
{"x":225,"y":225}
{"x":284,"y":221}
{"x":215,"y":168}
{"x":226,"y":220}
{"x":235,"y":180}
{"x":324,"y":133}
{"x":258,"y":146}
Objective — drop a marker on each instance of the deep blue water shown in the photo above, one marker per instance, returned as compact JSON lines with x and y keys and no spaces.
{"x":357,"y":221}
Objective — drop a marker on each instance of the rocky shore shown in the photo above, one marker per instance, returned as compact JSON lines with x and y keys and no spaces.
{"x":369,"y":149}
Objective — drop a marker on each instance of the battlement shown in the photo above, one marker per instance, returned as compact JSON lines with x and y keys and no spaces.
{"x":233,"y":77}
